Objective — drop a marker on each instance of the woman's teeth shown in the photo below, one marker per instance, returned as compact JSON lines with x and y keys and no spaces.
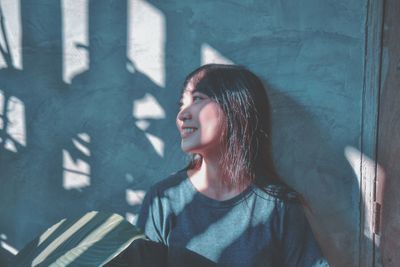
{"x":189,"y":130}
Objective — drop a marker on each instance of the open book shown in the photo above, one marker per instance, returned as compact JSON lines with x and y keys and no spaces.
{"x":91,"y":240}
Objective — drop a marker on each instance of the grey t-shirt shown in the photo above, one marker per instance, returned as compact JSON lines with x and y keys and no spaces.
{"x":258,"y":227}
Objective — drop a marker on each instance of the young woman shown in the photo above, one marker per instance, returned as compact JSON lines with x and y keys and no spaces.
{"x":228,"y":207}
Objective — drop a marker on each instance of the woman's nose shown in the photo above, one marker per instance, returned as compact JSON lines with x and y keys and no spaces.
{"x":184,"y":115}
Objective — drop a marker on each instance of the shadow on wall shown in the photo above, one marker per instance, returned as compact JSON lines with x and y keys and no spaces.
{"x":88,"y":118}
{"x":85,"y":140}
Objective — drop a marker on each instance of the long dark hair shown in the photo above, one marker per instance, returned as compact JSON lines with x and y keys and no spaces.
{"x":247,"y":130}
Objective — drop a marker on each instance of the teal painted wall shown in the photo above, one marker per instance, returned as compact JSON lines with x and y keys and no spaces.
{"x":310,"y":53}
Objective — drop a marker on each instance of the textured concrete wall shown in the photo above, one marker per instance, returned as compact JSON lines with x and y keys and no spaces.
{"x":96,"y":87}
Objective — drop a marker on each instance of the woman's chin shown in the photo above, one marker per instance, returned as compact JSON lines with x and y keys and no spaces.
{"x":189,"y":149}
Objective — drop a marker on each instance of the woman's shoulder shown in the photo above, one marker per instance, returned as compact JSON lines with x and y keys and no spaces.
{"x":172,"y":181}
{"x":278,"y":192}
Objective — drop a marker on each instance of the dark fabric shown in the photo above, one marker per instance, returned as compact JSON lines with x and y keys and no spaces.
{"x":141,"y":253}
{"x":147,"y":253}
{"x":259,"y":227}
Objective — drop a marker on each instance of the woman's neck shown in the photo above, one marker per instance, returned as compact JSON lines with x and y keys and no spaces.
{"x":208,"y":180}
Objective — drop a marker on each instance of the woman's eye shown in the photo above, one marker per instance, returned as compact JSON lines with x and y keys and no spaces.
{"x":196,"y":98}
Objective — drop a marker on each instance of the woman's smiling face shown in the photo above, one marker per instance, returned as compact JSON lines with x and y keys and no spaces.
{"x":200,"y":122}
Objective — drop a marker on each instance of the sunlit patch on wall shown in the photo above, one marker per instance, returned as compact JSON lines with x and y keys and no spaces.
{"x":157,"y":143}
{"x":133,"y":198}
{"x":142,"y":124}
{"x":146,"y":39}
{"x":129,"y":178}
{"x":12,"y":123}
{"x":211,"y":55}
{"x":10,"y":34}
{"x":362,"y":165}
{"x":75,"y":37}
{"x":77,"y":170}
{"x":7,"y":246}
{"x":146,"y":109}
{"x":131,"y":217}
{"x":359,"y":160}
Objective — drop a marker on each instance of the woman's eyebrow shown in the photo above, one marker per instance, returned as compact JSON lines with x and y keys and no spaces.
{"x":199,"y":93}
{"x":186,"y":92}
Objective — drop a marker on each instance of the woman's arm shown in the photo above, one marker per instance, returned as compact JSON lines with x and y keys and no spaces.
{"x":299,"y":247}
{"x":150,"y":216}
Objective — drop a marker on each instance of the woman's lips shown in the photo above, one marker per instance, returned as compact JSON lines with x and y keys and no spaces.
{"x":186,"y":132}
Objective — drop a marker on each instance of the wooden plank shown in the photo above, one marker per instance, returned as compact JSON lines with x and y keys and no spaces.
{"x":369,"y":129}
{"x":389,"y":140}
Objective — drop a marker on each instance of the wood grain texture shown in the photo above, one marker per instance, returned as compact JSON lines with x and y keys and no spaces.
{"x":389,"y":138}
{"x":369,"y":129}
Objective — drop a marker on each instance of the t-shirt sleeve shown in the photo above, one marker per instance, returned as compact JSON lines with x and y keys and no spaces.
{"x":149,"y":220}
{"x":299,"y":247}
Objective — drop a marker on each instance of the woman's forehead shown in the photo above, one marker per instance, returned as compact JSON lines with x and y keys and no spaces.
{"x":194,"y":85}
{"x":189,"y":89}
{"x":190,"y":86}
{"x":194,"y":81}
